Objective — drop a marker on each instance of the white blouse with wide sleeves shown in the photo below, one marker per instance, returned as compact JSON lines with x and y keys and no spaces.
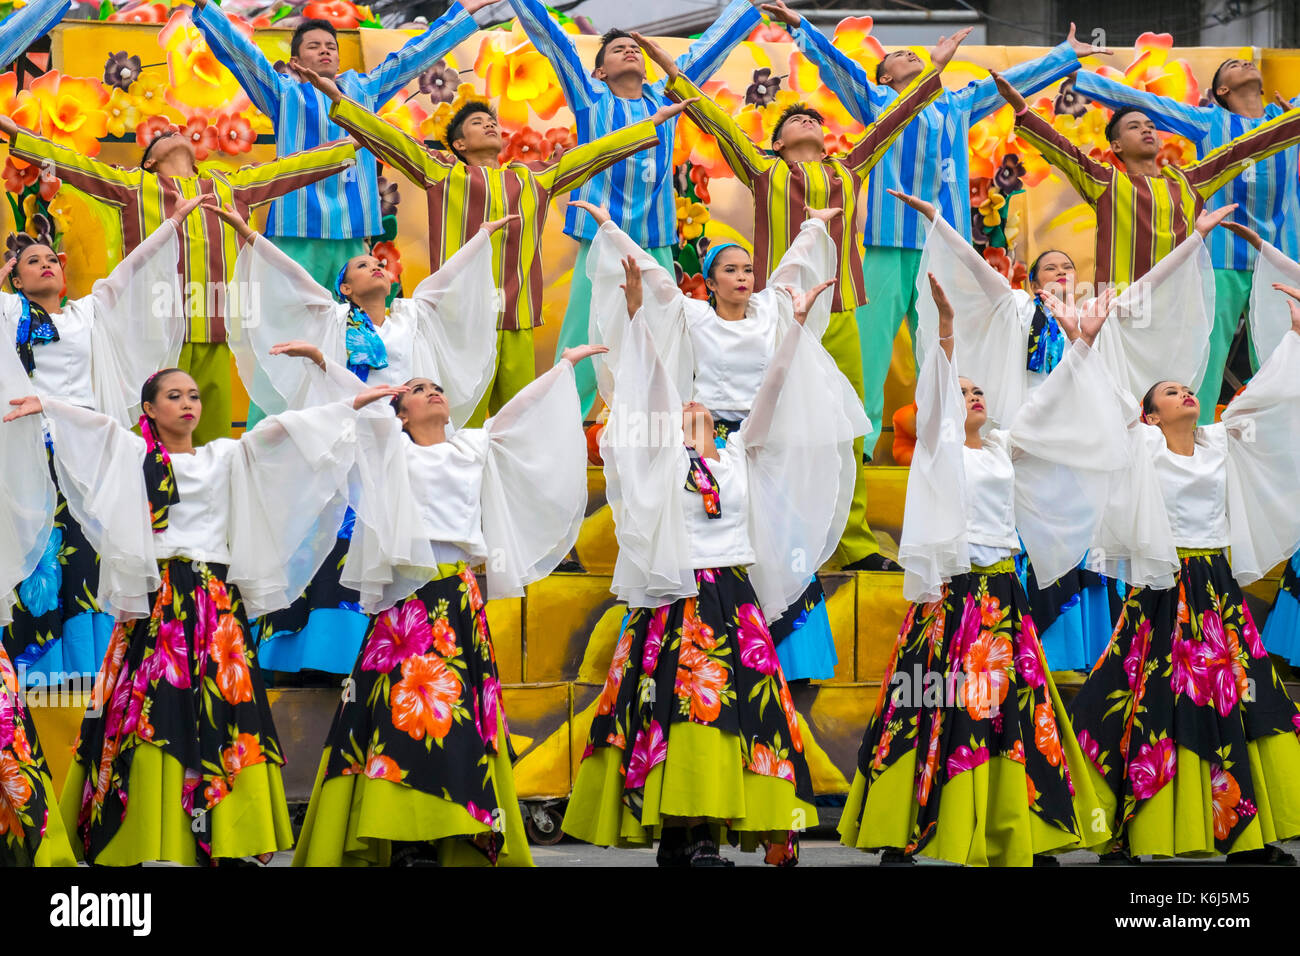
{"x":27,"y":496}
{"x":269,"y":504}
{"x":785,"y":478}
{"x":719,"y":363}
{"x":510,"y":495}
{"x":130,"y":326}
{"x":446,"y":331}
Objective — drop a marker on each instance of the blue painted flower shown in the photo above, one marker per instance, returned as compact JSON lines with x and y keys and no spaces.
{"x":40,"y":592}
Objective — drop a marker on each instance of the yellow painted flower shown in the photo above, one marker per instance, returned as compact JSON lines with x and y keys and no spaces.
{"x":30,"y":211}
{"x":72,"y":110}
{"x":435,"y":127}
{"x":700,"y":149}
{"x":518,"y":77}
{"x":18,"y":105}
{"x":691,"y":217}
{"x":150,"y":93}
{"x":61,"y":212}
{"x":123,"y":112}
{"x":991,"y":208}
{"x":1012,"y":230}
{"x":408,"y":117}
{"x":198,"y":80}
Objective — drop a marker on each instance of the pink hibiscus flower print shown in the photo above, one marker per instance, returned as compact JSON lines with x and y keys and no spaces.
{"x":1251,"y":633}
{"x":170,"y":659}
{"x":764,"y":761}
{"x":654,"y":639}
{"x":1188,"y":674}
{"x":8,"y":718}
{"x":756,"y":650}
{"x":478,"y":813}
{"x":1135,"y":661}
{"x":1029,"y":658}
{"x":1220,"y":663}
{"x":963,"y":758}
{"x":966,"y":630}
{"x":399,"y":633}
{"x":648,"y":751}
{"x":1154,"y":767}
{"x":1091,"y":749}
{"x":487,"y":714}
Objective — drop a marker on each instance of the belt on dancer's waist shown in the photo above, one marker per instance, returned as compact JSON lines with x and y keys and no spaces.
{"x":1198,"y":552}
{"x":1006,"y":565}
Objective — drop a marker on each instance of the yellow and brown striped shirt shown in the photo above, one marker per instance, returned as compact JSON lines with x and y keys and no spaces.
{"x":462,"y":197}
{"x":208,"y":246}
{"x":782,"y":191}
{"x":1141,"y":218}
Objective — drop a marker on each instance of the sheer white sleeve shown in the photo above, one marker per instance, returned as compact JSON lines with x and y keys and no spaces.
{"x":1270,"y":316}
{"x":456,"y":310}
{"x":989,"y":335}
{"x":1159,"y":328}
{"x":27,"y":497}
{"x":645,"y":470}
{"x":1263,"y":425}
{"x":933,"y":546}
{"x":798,"y":441}
{"x":664,"y":310}
{"x":809,"y":262}
{"x":273,"y":300}
{"x":1069,"y":444}
{"x":100,"y":468}
{"x":534,"y":482}
{"x":139,"y":323}
{"x":288,"y":492}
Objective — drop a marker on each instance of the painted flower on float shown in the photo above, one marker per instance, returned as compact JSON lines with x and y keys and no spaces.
{"x":440,"y":82}
{"x":517,"y":77}
{"x":72,"y":110}
{"x":691,"y":217}
{"x":340,"y":13}
{"x":121,"y":70}
{"x":198,"y":82}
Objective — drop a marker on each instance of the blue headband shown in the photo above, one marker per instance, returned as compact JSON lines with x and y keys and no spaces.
{"x":338,"y":283}
{"x":713,"y":254}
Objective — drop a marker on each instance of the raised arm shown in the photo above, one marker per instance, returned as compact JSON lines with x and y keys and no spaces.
{"x":419,"y":53}
{"x":847,"y":80}
{"x":1088,"y":177}
{"x":981,"y":98}
{"x":579,"y":164}
{"x":1168,"y":114}
{"x":893,"y":119}
{"x":1219,"y":167}
{"x":263,"y":182}
{"x":111,"y":184}
{"x":28,"y":24}
{"x":390,"y":144}
{"x":709,"y":51}
{"x":237,"y":52}
{"x":808,"y":266}
{"x":557,"y":46}
{"x":746,"y":160}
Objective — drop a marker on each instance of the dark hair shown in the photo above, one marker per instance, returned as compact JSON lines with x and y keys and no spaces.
{"x":794,"y":109}
{"x":398,"y":400}
{"x":458,"y":120}
{"x":161,"y":135}
{"x":153,"y":384}
{"x":1113,"y":123}
{"x":608,"y":38}
{"x":880,"y":68}
{"x":1149,"y":399}
{"x":1033,"y":269}
{"x":306,"y":27}
{"x":21,"y":242}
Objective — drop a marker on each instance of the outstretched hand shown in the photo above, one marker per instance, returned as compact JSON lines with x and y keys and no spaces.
{"x":300,"y":349}
{"x":376,"y":392}
{"x":780,"y":12}
{"x":1082,"y":49}
{"x":827,"y":216}
{"x":325,"y":84}
{"x":667,"y":112}
{"x":803,"y":301}
{"x":944,"y":50}
{"x":1209,"y":218}
{"x":579,"y":352}
{"x":22,"y":407}
{"x":926,"y":209}
{"x":1250,"y":235}
{"x":1294,"y":293}
{"x":1077,"y":322}
{"x":495,"y":224}
{"x":1009,"y":92}
{"x":7,"y":268}
{"x":632,"y":286}
{"x":185,"y":207}
{"x":598,"y":213}
{"x":946,"y":315}
{"x":230,"y":216}
{"x":657,"y":55}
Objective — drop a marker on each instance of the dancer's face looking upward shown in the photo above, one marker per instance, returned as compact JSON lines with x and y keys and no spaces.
{"x":976,"y":411}
{"x":1170,"y":403}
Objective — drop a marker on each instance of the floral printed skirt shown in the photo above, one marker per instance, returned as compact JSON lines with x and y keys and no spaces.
{"x":1282,"y":629}
{"x":30,"y":834}
{"x":969,"y":756}
{"x":1075,"y":616}
{"x":419,"y":750}
{"x":1190,"y":735}
{"x":323,"y":629}
{"x":180,"y":760}
{"x":803,"y":638}
{"x":58,"y":630}
{"x":695,"y":720}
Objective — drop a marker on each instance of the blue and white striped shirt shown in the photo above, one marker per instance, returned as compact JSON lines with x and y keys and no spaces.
{"x":930,"y":158}
{"x":344,"y":206}
{"x":638,"y":192}
{"x":24,"y":27}
{"x":1266,"y":194}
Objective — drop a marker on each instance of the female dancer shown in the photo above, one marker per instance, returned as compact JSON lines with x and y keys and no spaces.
{"x":717,"y":352}
{"x":31,"y":830}
{"x":446,"y":332}
{"x":1190,"y":734}
{"x":695,"y":733}
{"x":969,"y":756}
{"x":92,"y":352}
{"x":417,"y":765}
{"x":180,"y":761}
{"x":1009,"y":342}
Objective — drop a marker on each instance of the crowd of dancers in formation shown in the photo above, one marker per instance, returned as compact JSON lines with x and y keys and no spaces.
{"x":1072,"y":504}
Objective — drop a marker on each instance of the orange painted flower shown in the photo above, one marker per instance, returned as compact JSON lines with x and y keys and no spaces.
{"x":1033,"y":791}
{"x":379,"y":767}
{"x":244,"y":752}
{"x":226,"y":650}
{"x":701,"y":680}
{"x":998,"y":259}
{"x":201,"y":136}
{"x":343,"y":15}
{"x":19,"y":105}
{"x":15,"y":792}
{"x":219,"y":595}
{"x":699,"y":149}
{"x":770,"y":32}
{"x":791,"y":717}
{"x":853,"y":36}
{"x":216,"y":791}
{"x":525,"y":146}
{"x":614,"y":678}
{"x":987,"y":674}
{"x":389,"y":258}
{"x":444,"y":637}
{"x":422,"y":701}
{"x":764,"y":761}
{"x":695,"y":630}
{"x":234,"y":134}
{"x":16,"y":179}
{"x":147,"y":131}
{"x":198,"y":82}
{"x":72,"y":110}
{"x":926,"y":777}
{"x":145,"y":13}
{"x":1047,"y":737}
{"x":472,"y":590}
{"x":990,"y":611}
{"x":150,"y":93}
{"x":409,"y":117}
{"x":694,"y":286}
{"x":562,"y":139}
{"x":1225,"y":795}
